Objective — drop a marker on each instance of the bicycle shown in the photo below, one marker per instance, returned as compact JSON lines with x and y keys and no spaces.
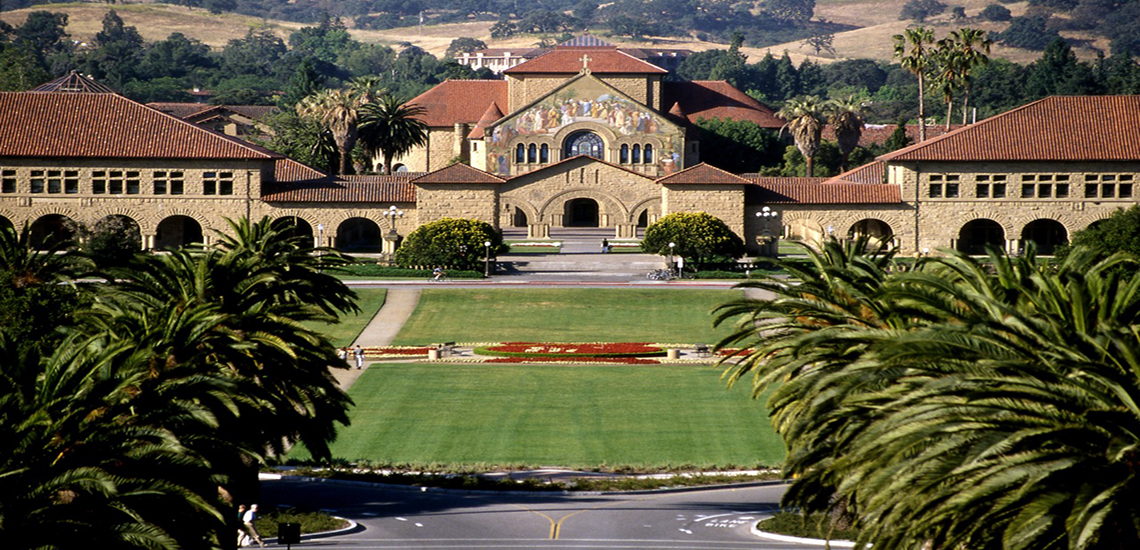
{"x":660,"y":275}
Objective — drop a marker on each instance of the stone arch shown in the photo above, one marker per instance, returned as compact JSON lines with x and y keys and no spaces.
{"x":358,"y":234}
{"x":809,"y":230}
{"x":650,"y":207}
{"x":998,"y":217}
{"x":614,"y":210}
{"x":299,"y":227}
{"x":975,"y":235}
{"x":522,"y":207}
{"x":584,"y":142}
{"x":150,"y":223}
{"x":876,"y":230}
{"x":609,"y":139}
{"x":136,"y":216}
{"x":178,"y":230}
{"x":51,"y":230}
{"x":581,"y":212}
{"x":1047,"y":233}
{"x":133,"y":228}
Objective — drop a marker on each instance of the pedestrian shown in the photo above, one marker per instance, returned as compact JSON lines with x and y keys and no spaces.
{"x":359,"y":353}
{"x":605,"y":246}
{"x":243,"y":537}
{"x":247,"y":520}
{"x":343,"y":354}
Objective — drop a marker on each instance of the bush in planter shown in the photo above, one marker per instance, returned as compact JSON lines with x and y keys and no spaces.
{"x":699,"y":238}
{"x":450,"y":242}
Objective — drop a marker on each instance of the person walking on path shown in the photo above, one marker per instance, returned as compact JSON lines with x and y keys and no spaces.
{"x":243,"y":537}
{"x":605,"y":246}
{"x":248,"y":519}
{"x":359,"y":354}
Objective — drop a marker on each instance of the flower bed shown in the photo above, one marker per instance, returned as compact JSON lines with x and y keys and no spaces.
{"x":396,"y":352}
{"x":555,"y":351}
{"x":576,"y":359}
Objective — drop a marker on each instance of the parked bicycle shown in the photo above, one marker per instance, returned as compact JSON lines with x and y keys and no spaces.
{"x":660,"y":275}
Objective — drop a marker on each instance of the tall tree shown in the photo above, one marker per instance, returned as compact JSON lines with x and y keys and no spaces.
{"x":337,"y":111}
{"x":804,"y":116}
{"x":973,"y":48}
{"x":913,"y":50}
{"x":392,"y":128}
{"x":847,"y":120}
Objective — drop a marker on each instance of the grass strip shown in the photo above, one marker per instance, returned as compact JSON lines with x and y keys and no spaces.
{"x":810,"y":526}
{"x":345,"y":331}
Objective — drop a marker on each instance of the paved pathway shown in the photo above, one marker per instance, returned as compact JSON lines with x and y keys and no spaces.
{"x":399,"y":303}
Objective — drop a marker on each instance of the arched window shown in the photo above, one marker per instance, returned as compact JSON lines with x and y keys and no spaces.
{"x":648,"y":157}
{"x":624,"y":153}
{"x":584,"y":143}
{"x":520,"y":154}
{"x":544,"y":153}
{"x":636,"y":154}
{"x":532,"y":154}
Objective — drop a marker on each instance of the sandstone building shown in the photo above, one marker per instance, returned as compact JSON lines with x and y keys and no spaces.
{"x":73,"y":153}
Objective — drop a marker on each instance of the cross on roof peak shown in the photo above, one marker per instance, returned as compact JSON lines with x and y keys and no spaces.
{"x":585,"y":59}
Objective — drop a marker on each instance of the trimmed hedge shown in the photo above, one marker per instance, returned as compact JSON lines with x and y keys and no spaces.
{"x":385,"y":272}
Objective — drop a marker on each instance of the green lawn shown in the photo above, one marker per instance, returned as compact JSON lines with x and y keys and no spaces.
{"x":565,"y":315}
{"x":572,"y":416}
{"x":349,"y":327}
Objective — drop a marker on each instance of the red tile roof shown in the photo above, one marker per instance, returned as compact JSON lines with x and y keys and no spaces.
{"x":179,"y":109}
{"x":458,"y":173}
{"x":287,"y":170}
{"x":250,"y":111}
{"x":779,"y":192}
{"x":489,"y":117}
{"x":874,"y":173}
{"x":342,"y":191}
{"x":568,"y":60}
{"x":877,"y":134}
{"x":107,"y":126}
{"x":1065,"y":128}
{"x":460,"y":101}
{"x":710,"y":99}
{"x":703,"y":174}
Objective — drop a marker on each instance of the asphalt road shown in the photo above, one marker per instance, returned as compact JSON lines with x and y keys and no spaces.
{"x":439,"y":519}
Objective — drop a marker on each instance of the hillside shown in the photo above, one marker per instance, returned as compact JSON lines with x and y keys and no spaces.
{"x":878,"y":21}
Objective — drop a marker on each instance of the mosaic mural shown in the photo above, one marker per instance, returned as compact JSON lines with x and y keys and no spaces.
{"x":586,"y":100}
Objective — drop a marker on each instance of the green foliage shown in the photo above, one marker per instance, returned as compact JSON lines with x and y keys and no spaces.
{"x":996,"y":12}
{"x":810,"y":526}
{"x":452,"y":243}
{"x":1119,"y":232}
{"x":698,"y":237}
{"x":113,"y":241}
{"x":462,"y":45}
{"x":310,"y":522}
{"x":961,"y":402}
{"x":1029,"y":32}
{"x":920,"y":10}
{"x":738,"y":146}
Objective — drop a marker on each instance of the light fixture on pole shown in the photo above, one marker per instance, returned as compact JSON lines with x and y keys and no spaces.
{"x":487,"y":259}
{"x":671,"y":246}
{"x":320,"y":235}
{"x":767,"y":216}
{"x":393,"y":214}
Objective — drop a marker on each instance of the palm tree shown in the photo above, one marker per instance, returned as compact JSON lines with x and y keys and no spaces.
{"x":337,"y":112}
{"x":973,"y":50}
{"x":804,"y":116}
{"x":847,"y":120}
{"x":912,"y":48}
{"x":391,"y":128}
{"x":947,"y":73}
{"x":959,"y":404}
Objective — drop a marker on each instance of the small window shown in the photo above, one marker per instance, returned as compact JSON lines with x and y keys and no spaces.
{"x":636,"y":154}
{"x":951,"y":190}
{"x":71,"y":182}
{"x":176,"y":183}
{"x":99,"y":182}
{"x":54,"y":181}
{"x":624,"y":154}
{"x":544,"y":153}
{"x":935,"y":177}
{"x":935,"y":190}
{"x":1108,"y":177}
{"x":647,"y":156}
{"x":982,"y":177}
{"x":520,"y":154}
{"x":1090,"y":190}
{"x":132,"y":183}
{"x":115,"y":182}
{"x":532,"y":154}
{"x":1044,"y":190}
{"x":1027,"y":190}
{"x":999,"y":190}
{"x":1107,"y":190}
{"x":7,"y":181}
{"x":1028,"y":177}
{"x":1062,"y":190}
{"x":37,"y":181}
{"x":982,"y":190}
{"x":1124,"y":190}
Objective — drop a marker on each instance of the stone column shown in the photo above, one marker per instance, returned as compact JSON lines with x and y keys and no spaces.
{"x":538,"y":231}
{"x":148,"y":241}
{"x":390,"y":240}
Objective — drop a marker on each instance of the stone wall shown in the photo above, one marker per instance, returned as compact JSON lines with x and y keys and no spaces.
{"x":725,"y":202}
{"x":453,"y":200}
{"x":621,"y":196}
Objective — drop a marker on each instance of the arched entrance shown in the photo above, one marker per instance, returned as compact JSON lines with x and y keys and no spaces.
{"x":358,"y":235}
{"x":177,"y":231}
{"x":878,"y":232}
{"x":976,"y":235}
{"x":519,"y":219}
{"x":584,"y":143}
{"x":1046,"y":233}
{"x":581,"y":213}
{"x":805,"y":230}
{"x":54,"y":230}
{"x":298,"y":228}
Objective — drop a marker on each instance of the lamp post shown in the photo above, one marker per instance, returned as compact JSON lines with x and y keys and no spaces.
{"x":392,"y":238}
{"x":766,"y":216}
{"x":320,"y":235}
{"x":487,"y":259}
{"x":671,"y":246}
{"x":393,"y":214}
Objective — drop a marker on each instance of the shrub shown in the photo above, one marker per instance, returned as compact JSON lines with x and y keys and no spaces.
{"x":450,"y":242}
{"x":919,"y":10}
{"x":113,"y":241}
{"x":698,"y":236}
{"x":994,"y":12}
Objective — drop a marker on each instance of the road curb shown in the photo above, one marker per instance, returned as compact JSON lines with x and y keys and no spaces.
{"x":799,"y":540}
{"x":352,"y":526}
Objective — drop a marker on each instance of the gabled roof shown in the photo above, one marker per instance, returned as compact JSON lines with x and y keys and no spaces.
{"x":703,"y":174}
{"x":249,"y":111}
{"x":874,"y":173}
{"x":287,"y":170}
{"x":576,"y":159}
{"x":179,"y":109}
{"x":106,"y":125}
{"x":1061,"y":128}
{"x":74,"y":83}
{"x":585,"y":41}
{"x":460,"y":101}
{"x":489,"y":117}
{"x":458,"y":173}
{"x":710,"y":99}
{"x":779,"y":192}
{"x":568,"y":60}
{"x":877,"y":134}
{"x":296,"y":182}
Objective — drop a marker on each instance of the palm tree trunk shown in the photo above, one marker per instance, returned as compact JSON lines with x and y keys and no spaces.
{"x":345,"y":160}
{"x":921,"y":109}
{"x":810,"y":165}
{"x":965,"y":105}
{"x":949,"y":113}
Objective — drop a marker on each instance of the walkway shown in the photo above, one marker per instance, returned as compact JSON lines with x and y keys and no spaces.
{"x":580,"y":260}
{"x":399,"y":303}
